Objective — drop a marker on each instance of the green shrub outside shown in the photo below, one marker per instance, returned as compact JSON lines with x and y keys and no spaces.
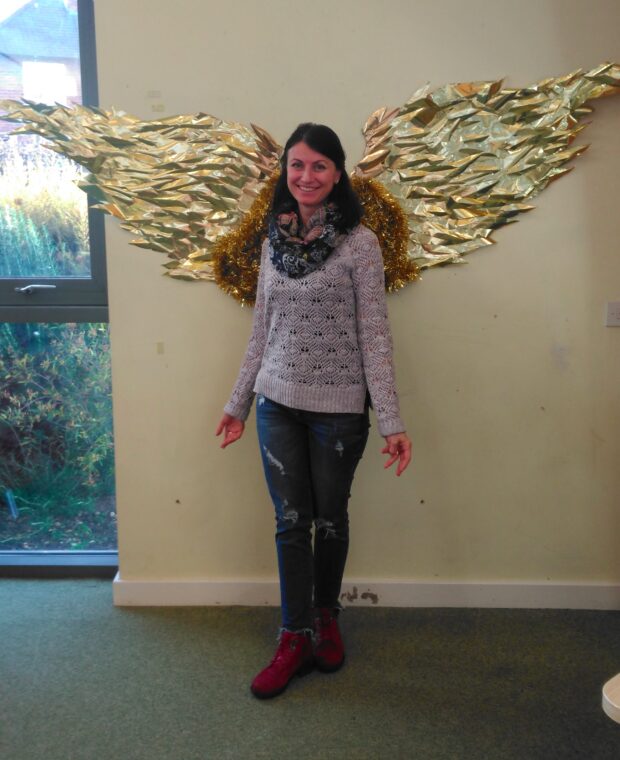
{"x":56,"y":445}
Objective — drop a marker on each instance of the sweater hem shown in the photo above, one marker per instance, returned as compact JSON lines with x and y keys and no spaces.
{"x":318,"y":398}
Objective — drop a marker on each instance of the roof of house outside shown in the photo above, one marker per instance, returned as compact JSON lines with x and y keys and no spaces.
{"x":42,"y":29}
{"x":8,"y":8}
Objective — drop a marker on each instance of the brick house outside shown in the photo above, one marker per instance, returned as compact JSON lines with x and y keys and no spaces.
{"x":39,"y":54}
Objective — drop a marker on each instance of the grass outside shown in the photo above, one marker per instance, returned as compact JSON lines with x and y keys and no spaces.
{"x":43,"y":213}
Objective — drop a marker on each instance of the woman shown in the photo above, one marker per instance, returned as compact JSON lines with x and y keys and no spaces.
{"x":320,"y":347}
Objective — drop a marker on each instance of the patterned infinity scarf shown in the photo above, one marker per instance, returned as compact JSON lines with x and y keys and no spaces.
{"x":297,"y":251}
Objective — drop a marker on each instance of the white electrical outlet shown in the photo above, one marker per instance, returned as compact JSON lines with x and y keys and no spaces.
{"x":612,"y":317}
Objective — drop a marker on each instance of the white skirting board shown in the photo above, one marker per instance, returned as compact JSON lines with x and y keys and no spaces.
{"x":361,"y":593}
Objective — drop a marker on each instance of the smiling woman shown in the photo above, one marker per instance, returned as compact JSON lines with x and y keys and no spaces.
{"x":320,"y":352}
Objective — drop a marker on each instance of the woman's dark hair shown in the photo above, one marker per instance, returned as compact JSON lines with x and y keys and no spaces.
{"x":323,"y":140}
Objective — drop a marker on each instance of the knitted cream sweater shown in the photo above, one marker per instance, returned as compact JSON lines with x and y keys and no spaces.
{"x":320,"y":340}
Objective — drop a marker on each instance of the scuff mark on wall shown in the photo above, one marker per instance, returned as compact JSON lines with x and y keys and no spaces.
{"x":561,"y":355}
{"x":354,"y":595}
{"x":374,"y":598}
{"x":350,"y":596}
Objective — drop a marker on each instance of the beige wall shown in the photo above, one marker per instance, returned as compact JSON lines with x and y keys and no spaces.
{"x":508,"y":378}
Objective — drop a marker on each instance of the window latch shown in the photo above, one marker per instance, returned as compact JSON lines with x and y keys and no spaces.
{"x":28,"y":290}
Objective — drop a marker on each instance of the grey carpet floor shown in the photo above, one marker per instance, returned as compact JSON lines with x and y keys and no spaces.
{"x":81,"y":680}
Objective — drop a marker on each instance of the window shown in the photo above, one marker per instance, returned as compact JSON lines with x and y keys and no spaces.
{"x":52,"y":264}
{"x":56,"y":472}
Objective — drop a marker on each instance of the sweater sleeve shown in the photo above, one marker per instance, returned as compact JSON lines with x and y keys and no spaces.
{"x":374,"y":335}
{"x":242,"y":395}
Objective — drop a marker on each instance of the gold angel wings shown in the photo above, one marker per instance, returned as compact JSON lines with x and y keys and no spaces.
{"x":438,"y":174}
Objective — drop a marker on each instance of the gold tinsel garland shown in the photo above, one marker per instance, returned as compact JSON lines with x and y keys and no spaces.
{"x":384,"y":215}
{"x":236,"y":256}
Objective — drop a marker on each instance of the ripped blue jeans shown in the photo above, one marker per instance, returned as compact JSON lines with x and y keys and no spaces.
{"x":309,"y":460}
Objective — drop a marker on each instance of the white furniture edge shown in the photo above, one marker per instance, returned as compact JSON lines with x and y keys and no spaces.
{"x":611,"y":698}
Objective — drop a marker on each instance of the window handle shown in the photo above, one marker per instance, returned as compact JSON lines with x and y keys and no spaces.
{"x":30,"y":289}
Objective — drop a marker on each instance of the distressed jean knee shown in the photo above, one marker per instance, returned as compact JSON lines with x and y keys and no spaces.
{"x":328,"y":529}
{"x":290,"y":522}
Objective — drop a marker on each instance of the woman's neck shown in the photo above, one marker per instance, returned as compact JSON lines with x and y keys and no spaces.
{"x":306,"y":213}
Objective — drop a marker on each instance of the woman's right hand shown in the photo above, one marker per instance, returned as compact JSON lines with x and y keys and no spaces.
{"x":232,"y":428}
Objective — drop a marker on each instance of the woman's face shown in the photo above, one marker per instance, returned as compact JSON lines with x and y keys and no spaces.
{"x":310,"y":177}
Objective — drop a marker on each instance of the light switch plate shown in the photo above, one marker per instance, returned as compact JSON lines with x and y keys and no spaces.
{"x":612,"y":317}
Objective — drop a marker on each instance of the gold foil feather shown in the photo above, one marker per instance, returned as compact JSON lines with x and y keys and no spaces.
{"x":464,"y":159}
{"x":439,"y":174}
{"x":177,"y":184}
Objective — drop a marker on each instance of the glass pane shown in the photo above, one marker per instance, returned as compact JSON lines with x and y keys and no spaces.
{"x":43,"y":214}
{"x":40,"y":46}
{"x":56,"y":450}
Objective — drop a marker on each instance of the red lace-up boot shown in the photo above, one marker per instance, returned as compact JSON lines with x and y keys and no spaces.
{"x":328,"y":647}
{"x":293,"y":657}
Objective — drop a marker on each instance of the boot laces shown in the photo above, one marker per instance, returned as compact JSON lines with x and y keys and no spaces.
{"x":287,"y":645}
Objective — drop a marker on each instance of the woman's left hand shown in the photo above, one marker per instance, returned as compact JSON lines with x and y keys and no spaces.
{"x":398,"y":447}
